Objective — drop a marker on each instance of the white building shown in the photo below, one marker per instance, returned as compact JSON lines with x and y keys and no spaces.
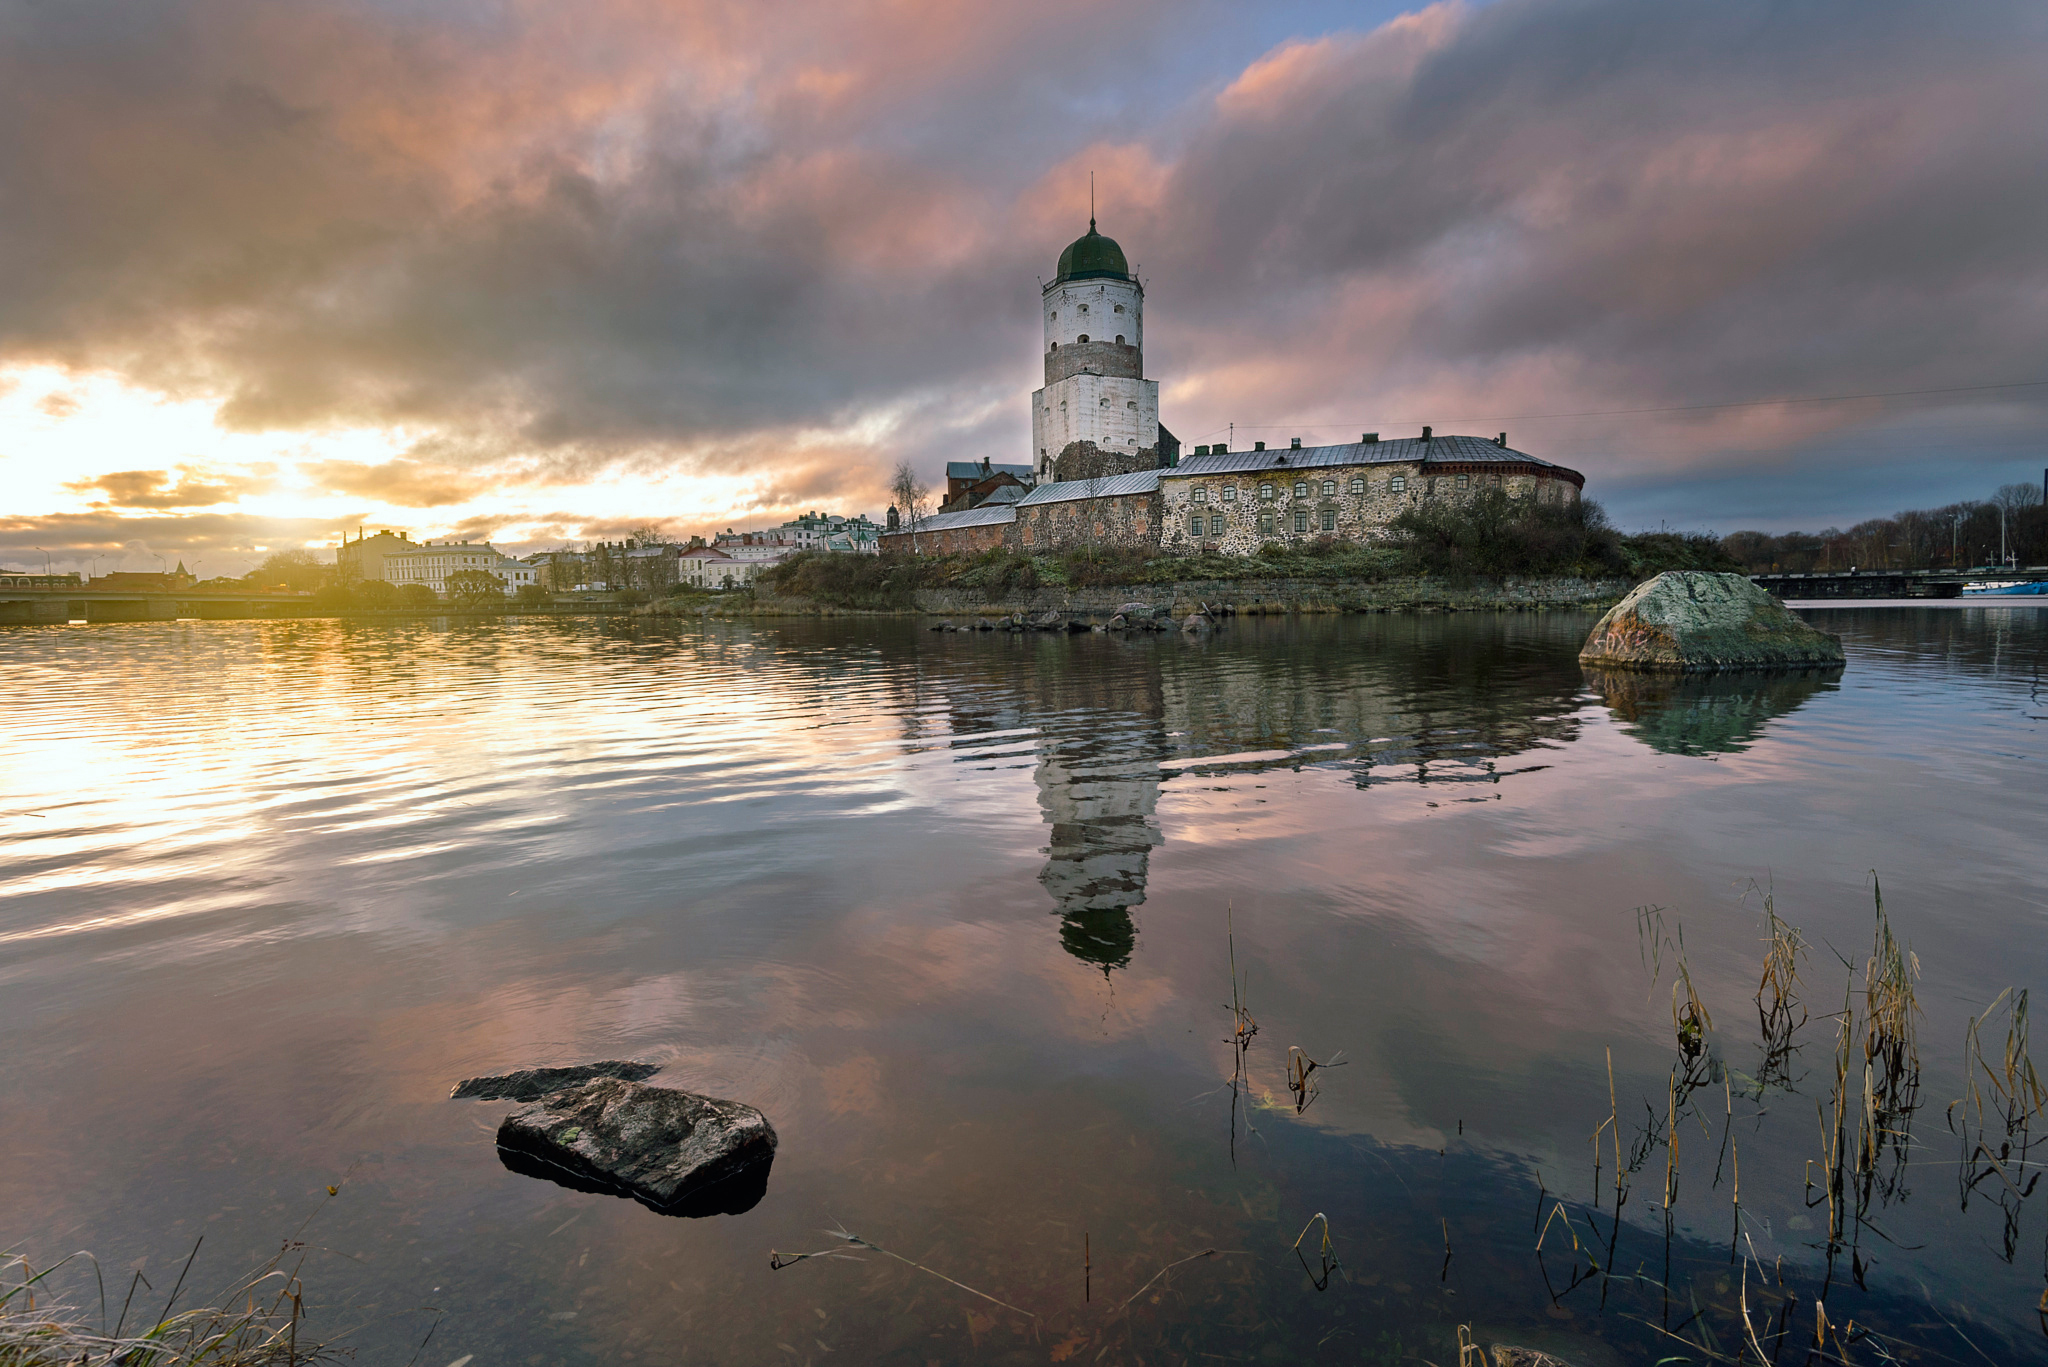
{"x":432,"y":563}
{"x":727,"y":567}
{"x":1097,"y":414}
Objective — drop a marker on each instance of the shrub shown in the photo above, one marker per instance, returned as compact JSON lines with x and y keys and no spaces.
{"x":373,"y":594}
{"x":532,"y":596}
{"x":416,"y":596}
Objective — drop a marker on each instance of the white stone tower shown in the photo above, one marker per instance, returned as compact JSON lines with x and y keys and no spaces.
{"x":1097,"y":414}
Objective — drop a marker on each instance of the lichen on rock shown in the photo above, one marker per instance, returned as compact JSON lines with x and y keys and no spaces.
{"x":674,"y":1151}
{"x":1696,"y":620}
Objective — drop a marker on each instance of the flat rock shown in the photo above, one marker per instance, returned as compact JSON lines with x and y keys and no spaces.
{"x":1134,"y":610}
{"x":531,"y":1084}
{"x":1696,"y":620}
{"x":671,"y":1150}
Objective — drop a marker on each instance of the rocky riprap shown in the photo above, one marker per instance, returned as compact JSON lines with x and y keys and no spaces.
{"x":1691,"y":620}
{"x":673,"y":1151}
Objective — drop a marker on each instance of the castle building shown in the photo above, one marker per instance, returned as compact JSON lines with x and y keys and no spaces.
{"x":1108,"y":474}
{"x":1098,"y":414}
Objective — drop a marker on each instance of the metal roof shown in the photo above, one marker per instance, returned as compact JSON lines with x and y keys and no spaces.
{"x":971,"y":469}
{"x":1398,"y":450}
{"x":1009,"y":493}
{"x":988,"y":514}
{"x":1067,"y":490}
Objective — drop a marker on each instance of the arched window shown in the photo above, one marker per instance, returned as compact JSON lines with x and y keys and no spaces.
{"x":1119,"y":339}
{"x":1119,"y":308}
{"x":1055,"y":346}
{"x":1200,"y":495}
{"x":1266,"y":491}
{"x":1398,"y":484}
{"x":1052,"y":317}
{"x":1084,"y":308}
{"x":1329,"y":487}
{"x":1082,"y":338}
{"x":1301,"y":491}
{"x":1230,"y":493}
{"x":1358,"y":485}
{"x":1464,"y":480}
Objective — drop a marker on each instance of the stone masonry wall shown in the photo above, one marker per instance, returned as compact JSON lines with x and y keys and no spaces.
{"x":1122,"y":520}
{"x":1241,"y":511}
{"x":952,"y":541}
{"x":1267,"y":596}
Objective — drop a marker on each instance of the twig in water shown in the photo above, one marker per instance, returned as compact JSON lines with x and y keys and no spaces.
{"x":776,"y":1262}
{"x":1205,"y":1253}
{"x":1327,"y":1254}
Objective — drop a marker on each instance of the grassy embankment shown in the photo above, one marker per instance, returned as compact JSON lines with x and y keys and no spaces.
{"x":1489,"y":537}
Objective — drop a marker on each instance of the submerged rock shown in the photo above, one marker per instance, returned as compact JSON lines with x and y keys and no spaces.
{"x":1507,"y":1355}
{"x":1050,"y":621}
{"x":1195,"y":623}
{"x":531,"y":1084}
{"x":1696,"y":620}
{"x":673,"y":1151}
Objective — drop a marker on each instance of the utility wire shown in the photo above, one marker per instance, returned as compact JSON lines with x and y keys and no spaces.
{"x":1671,"y":408}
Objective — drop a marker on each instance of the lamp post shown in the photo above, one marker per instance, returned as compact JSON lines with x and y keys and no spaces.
{"x":46,"y":562}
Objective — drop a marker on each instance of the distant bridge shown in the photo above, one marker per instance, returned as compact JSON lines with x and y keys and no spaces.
{"x":20,"y":606}
{"x":1890,"y":583}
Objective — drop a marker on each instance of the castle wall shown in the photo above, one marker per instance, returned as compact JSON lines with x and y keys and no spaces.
{"x":1241,"y":511}
{"x":1113,"y":520}
{"x":988,"y":536}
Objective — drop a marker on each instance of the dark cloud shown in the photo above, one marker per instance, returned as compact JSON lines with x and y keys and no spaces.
{"x":167,"y":489}
{"x":401,"y":483}
{"x":222,"y":541}
{"x":678,"y":237}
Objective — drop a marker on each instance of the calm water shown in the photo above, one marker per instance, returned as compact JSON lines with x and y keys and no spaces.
{"x":956,"y":913}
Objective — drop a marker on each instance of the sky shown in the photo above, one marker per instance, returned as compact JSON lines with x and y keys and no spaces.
{"x":543,"y":273}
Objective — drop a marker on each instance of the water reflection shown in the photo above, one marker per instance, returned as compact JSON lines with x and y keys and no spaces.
{"x":1705,"y":714}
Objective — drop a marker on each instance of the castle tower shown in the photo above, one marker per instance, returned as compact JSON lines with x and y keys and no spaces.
{"x":1097,"y":414}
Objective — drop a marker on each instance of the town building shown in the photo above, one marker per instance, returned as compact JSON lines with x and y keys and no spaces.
{"x":1109,"y":474}
{"x":432,"y":562}
{"x":971,"y":483}
{"x":363,"y":558}
{"x":146,"y":581}
{"x":719,"y":567}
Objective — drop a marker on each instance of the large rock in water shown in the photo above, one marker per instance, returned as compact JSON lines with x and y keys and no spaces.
{"x":673,"y":1151}
{"x":1696,"y":620}
{"x":531,"y":1084}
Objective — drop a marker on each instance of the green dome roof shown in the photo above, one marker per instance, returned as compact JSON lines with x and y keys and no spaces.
{"x":1093,"y":257}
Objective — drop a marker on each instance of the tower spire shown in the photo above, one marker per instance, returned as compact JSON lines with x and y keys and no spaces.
{"x":1091,"y":201}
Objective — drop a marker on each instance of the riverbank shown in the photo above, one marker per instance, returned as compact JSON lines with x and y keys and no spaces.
{"x":1222,"y":597}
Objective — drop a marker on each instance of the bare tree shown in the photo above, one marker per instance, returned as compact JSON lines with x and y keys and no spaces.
{"x":2014,"y":498}
{"x":910,"y":493}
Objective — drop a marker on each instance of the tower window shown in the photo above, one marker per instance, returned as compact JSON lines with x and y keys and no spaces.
{"x":1053,"y":316}
{"x":1119,"y":339}
{"x":1132,"y":403}
{"x":1119,"y":308}
{"x":1082,"y":338}
{"x":1084,"y":308}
